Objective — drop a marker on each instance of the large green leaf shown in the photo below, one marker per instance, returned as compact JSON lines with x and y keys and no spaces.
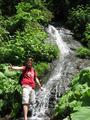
{"x":82,"y":114}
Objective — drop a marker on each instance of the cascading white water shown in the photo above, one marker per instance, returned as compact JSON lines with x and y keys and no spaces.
{"x":57,"y":37}
{"x":41,"y":108}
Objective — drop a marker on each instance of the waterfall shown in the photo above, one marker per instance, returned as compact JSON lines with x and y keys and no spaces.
{"x":56,"y":83}
{"x":57,"y":37}
{"x":41,"y":108}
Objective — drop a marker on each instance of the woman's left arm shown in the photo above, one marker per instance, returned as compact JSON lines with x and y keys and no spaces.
{"x":37,"y":81}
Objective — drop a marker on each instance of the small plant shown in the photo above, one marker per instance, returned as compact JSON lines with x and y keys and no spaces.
{"x":83,"y":52}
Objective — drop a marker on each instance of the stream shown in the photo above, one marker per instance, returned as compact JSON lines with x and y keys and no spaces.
{"x":65,"y":68}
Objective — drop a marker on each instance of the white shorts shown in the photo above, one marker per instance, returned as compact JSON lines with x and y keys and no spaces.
{"x":28,"y":95}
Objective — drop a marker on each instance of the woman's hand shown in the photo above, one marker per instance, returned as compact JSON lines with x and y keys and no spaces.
{"x":41,"y":88}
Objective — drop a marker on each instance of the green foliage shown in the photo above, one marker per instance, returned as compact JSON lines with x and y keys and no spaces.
{"x":41,"y":68}
{"x":77,"y":97}
{"x":2,"y":75}
{"x":9,"y":89}
{"x":16,"y":107}
{"x":60,"y":8}
{"x":29,"y":43}
{"x":78,"y":21}
{"x":28,"y":11}
{"x":87,"y":35}
{"x":1,"y":103}
{"x":81,"y":114}
{"x":3,"y":32}
{"x":11,"y":53}
{"x":85,"y":76}
{"x":9,"y":85}
{"x":83,"y":52}
{"x":75,"y":80}
{"x":78,"y":18}
{"x":26,"y":36}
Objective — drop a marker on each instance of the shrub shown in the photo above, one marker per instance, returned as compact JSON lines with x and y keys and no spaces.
{"x":87,"y":35}
{"x":83,"y":52}
{"x":77,"y":20}
{"x":41,"y":68}
{"x":9,"y":89}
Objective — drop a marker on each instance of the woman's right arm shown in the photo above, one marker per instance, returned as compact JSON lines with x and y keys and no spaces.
{"x":16,"y":67}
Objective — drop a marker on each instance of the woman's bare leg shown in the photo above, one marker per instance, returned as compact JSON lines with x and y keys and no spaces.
{"x":25,"y":110}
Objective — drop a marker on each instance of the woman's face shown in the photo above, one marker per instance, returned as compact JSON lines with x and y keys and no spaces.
{"x":29,"y":64}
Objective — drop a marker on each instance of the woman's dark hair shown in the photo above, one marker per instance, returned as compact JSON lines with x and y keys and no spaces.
{"x":29,"y":59}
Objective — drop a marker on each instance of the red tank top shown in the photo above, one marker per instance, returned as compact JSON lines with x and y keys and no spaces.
{"x":29,"y":77}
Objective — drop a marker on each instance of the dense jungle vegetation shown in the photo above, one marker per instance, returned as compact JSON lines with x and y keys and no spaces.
{"x":22,"y":35}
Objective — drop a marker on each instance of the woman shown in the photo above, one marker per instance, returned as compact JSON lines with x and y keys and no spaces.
{"x":29,"y":77}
